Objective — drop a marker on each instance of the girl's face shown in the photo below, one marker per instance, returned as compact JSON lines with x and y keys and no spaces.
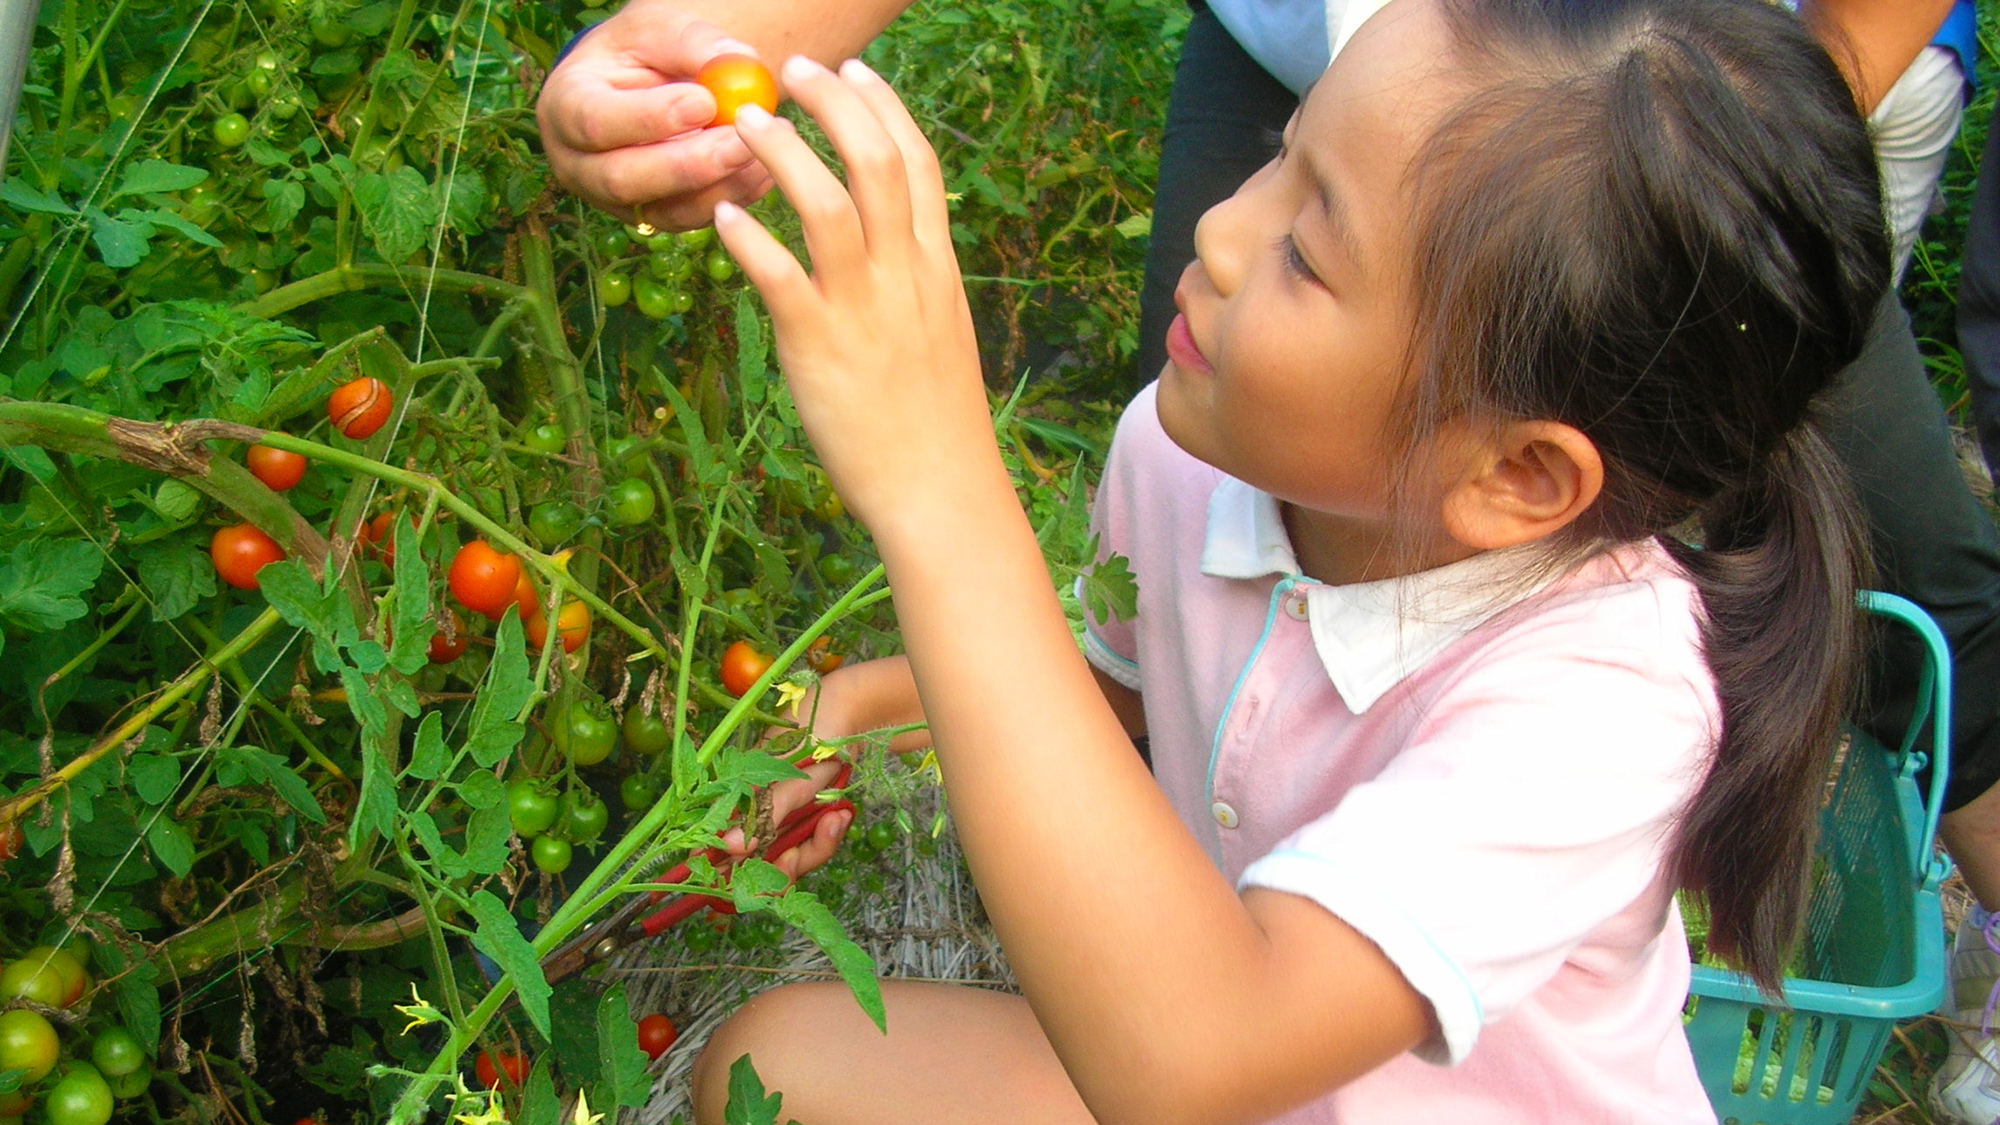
{"x":1289,"y":354}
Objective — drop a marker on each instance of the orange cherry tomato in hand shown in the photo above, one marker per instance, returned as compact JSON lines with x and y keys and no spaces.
{"x":279,"y":469}
{"x":240,"y":551}
{"x":741,"y":665}
{"x":359,"y":408}
{"x":483,"y":579}
{"x":656,"y":1034}
{"x":572,"y":625}
{"x":737,"y":81}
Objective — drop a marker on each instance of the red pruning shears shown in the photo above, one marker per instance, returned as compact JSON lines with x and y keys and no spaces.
{"x":620,"y":929}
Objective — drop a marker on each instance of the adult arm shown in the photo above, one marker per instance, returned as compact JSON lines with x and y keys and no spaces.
{"x":1874,"y":41}
{"x":623,"y":124}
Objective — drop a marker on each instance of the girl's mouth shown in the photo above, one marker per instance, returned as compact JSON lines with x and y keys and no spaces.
{"x":1181,"y":348}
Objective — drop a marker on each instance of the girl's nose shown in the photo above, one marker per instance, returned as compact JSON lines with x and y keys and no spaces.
{"x":1224,"y":234}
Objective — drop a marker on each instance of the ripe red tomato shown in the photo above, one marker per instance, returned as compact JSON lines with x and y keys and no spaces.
{"x":736,"y":81}
{"x":12,"y":841}
{"x":484,"y":579}
{"x":741,"y":665}
{"x":821,"y":658}
{"x":572,"y":625}
{"x":656,"y":1034}
{"x":376,"y":534}
{"x":359,"y":408}
{"x":279,"y":469}
{"x":447,"y":648}
{"x":239,"y":551}
{"x":492,"y":1065}
{"x":526,"y":597}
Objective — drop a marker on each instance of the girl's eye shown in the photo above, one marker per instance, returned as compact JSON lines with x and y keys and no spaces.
{"x":1295,"y":262}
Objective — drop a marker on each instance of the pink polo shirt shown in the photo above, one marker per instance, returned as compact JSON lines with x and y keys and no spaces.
{"x":1486,"y":791}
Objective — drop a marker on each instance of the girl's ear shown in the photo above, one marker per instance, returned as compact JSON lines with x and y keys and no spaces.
{"x":1528,"y":481}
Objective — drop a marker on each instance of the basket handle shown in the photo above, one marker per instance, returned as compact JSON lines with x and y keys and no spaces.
{"x":1933,"y":698}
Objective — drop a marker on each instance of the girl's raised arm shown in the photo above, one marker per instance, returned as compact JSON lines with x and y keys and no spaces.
{"x":1166,"y":996}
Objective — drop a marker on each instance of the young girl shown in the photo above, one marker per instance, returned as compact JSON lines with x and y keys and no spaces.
{"x":1444,"y":700}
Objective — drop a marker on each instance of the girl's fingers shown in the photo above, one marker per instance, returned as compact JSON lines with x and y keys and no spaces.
{"x":826,"y":214}
{"x":766,"y":262}
{"x":925,"y":180}
{"x":874,"y":162}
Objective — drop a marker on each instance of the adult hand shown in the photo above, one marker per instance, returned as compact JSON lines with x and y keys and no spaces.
{"x":624,"y":124}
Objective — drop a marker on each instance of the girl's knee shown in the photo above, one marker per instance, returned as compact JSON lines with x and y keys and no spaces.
{"x":773,"y":1028}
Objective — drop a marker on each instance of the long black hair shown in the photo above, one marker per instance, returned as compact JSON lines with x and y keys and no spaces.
{"x":1659,"y":221}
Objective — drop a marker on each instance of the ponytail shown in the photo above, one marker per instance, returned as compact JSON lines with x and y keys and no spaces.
{"x":1778,"y":571}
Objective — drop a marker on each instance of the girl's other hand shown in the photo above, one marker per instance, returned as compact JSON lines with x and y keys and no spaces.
{"x":876,"y":342}
{"x":786,"y":797}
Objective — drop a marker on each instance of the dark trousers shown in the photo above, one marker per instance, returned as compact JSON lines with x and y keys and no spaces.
{"x":1933,"y":543}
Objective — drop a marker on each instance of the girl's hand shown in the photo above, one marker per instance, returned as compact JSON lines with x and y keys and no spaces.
{"x":785,"y":797}
{"x":877,"y":341}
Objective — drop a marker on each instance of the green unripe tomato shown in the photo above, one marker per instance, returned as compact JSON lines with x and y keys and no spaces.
{"x":331,"y":33}
{"x":672,"y":266}
{"x":645,"y":733}
{"x":613,"y":289}
{"x":696,"y":240}
{"x":116,"y":1052}
{"x":546,"y":438}
{"x":628,"y":453}
{"x":285,"y":106}
{"x":683,"y":302}
{"x":637,"y":794}
{"x":698,"y":937}
{"x":838,"y":570}
{"x":230,"y":130}
{"x":584,"y":817}
{"x":133,"y":1084}
{"x":83,"y":1097}
{"x":661,"y":242}
{"x":655,"y":301}
{"x":721,"y":267}
{"x":881,"y":834}
{"x":32,"y":978}
{"x":551,"y":853}
{"x":613,"y":242}
{"x":555,"y":522}
{"x":630,"y":502}
{"x":27,"y":1042}
{"x":584,"y":731}
{"x":531,"y":808}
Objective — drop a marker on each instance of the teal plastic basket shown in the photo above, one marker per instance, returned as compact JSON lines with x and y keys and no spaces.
{"x":1874,"y":941}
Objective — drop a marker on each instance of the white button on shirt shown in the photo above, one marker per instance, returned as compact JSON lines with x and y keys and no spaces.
{"x":1224,"y":815}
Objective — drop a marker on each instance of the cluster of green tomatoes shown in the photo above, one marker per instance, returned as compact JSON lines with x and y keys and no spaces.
{"x":662,"y":270}
{"x":79,"y":1089}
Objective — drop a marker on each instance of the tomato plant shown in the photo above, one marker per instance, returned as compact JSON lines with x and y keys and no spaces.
{"x":531,"y":807}
{"x":631,"y":502}
{"x":584,"y":732}
{"x":572,"y":625}
{"x":555,"y":522}
{"x":646,"y":733}
{"x":230,"y":130}
{"x":656,"y":1034}
{"x":637,"y":793}
{"x":279,"y":469}
{"x":737,"y":81}
{"x":546,"y":438}
{"x":27,"y":1042}
{"x":741,"y":665}
{"x":116,"y":1051}
{"x":240,"y":550}
{"x":614,"y":289}
{"x":584,"y":816}
{"x":82,"y":1097}
{"x":551,"y":853}
{"x":484,"y":580}
{"x":493,"y":1065}
{"x":359,"y":408}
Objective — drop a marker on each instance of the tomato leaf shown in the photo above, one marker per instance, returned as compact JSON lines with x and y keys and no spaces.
{"x":186,"y":229}
{"x":1110,"y":590}
{"x":154,"y":777}
{"x":539,"y":1104}
{"x":622,"y":1065}
{"x":399,"y":210}
{"x":751,"y":372}
{"x":496,"y":727}
{"x":40,"y":583}
{"x":428,"y":758}
{"x":16,"y":193}
{"x":574,"y":1033}
{"x":176,"y":574}
{"x":486,"y":832}
{"x":748,"y":1104}
{"x":804,"y":912}
{"x":150,"y":177}
{"x":138,"y":997}
{"x":171,"y":844}
{"x":499,"y":937}
{"x":283,"y":200}
{"x":122,"y":241}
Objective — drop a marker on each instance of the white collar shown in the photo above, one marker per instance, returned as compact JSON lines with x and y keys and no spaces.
{"x":1369,"y":635}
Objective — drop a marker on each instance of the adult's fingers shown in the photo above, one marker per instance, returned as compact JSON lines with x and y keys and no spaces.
{"x":679,"y":168}
{"x":875,"y":178}
{"x":826,"y":213}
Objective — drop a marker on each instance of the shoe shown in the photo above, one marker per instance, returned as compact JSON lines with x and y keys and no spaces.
{"x":1966,"y":1088}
